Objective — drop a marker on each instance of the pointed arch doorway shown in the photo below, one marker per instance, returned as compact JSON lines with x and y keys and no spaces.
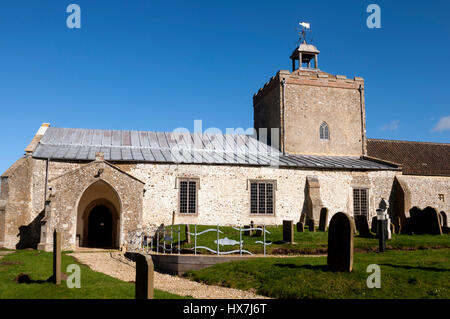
{"x":98,"y":220}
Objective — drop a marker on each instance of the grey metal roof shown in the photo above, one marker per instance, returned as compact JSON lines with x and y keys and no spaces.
{"x":171,"y":147}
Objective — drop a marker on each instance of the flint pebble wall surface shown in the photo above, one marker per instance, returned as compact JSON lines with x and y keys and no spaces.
{"x":223,"y":195}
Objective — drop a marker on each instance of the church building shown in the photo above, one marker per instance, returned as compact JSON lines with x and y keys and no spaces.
{"x":310,"y":153}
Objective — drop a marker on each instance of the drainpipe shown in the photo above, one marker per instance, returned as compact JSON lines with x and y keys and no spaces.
{"x":283,"y":85}
{"x":363,"y":135}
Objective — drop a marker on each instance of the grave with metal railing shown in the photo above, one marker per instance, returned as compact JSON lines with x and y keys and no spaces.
{"x":167,"y":240}
{"x":164,"y":244}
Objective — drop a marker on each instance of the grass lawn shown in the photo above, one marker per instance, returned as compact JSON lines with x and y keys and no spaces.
{"x":306,"y":242}
{"x":38,"y":265}
{"x":404,"y":274}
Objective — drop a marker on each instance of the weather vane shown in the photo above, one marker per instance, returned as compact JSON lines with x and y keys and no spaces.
{"x":306,"y":26}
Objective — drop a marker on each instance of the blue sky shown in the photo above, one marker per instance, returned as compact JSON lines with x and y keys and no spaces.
{"x":159,"y":65}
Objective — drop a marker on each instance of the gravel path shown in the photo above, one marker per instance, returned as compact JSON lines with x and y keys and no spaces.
{"x":116,"y":265}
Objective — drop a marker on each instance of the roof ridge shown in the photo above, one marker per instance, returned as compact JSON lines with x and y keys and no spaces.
{"x":408,"y":142}
{"x":149,"y":131}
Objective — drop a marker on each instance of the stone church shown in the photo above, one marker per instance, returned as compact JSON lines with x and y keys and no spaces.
{"x":310,"y":152}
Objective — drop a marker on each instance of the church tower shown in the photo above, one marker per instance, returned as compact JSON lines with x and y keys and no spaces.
{"x":317,"y":113}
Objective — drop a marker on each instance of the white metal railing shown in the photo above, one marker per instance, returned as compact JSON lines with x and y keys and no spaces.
{"x":141,"y":240}
{"x":228,"y":242}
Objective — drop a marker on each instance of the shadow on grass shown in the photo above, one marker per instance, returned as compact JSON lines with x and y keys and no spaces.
{"x":418,"y":268}
{"x":26,"y":279}
{"x":313,"y":267}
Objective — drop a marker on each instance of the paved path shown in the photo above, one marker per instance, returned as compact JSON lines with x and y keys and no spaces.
{"x":116,"y":265}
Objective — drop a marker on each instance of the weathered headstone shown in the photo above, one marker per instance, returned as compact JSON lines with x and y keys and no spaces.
{"x":258,"y":232}
{"x":397,"y":225}
{"x":389,"y":229}
{"x":407,"y":227}
{"x":362,"y":226}
{"x":144,"y":277}
{"x":340,"y":242}
{"x":303,"y":218}
{"x":246,"y":231}
{"x":373,"y":227}
{"x":431,"y":220}
{"x":288,"y":231}
{"x":415,"y":220}
{"x":424,"y":221}
{"x":187,"y":234}
{"x":311,"y":226}
{"x":56,"y":257}
{"x":323,"y":219}
{"x":252,"y":225}
{"x":300,"y":227}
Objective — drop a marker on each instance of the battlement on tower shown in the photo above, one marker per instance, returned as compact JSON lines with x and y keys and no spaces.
{"x":307,"y":77}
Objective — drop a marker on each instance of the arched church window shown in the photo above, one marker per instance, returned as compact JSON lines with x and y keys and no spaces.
{"x":324,"y":131}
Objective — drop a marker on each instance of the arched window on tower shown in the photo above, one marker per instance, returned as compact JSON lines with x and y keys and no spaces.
{"x":324,"y":131}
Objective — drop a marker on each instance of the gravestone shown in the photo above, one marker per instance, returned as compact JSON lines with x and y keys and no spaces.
{"x":362,"y":226}
{"x":303,"y":218}
{"x":373,"y":227}
{"x":288,"y":231}
{"x":431,"y":220}
{"x":397,"y":225}
{"x":417,"y":226}
{"x":340,"y":243}
{"x":311,"y":226}
{"x":144,"y":277}
{"x":300,"y":227}
{"x":393,"y":229}
{"x":424,"y":221}
{"x":323,"y":219}
{"x":258,"y":232}
{"x":407,"y":227}
{"x":246,"y":232}
{"x":444,"y":225}
{"x":389,"y":229}
{"x":187,"y":234}
{"x":57,"y":257}
{"x":252,"y":225}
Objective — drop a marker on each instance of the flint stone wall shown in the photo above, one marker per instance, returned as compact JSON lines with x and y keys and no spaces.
{"x":423,"y":191}
{"x":223,"y":195}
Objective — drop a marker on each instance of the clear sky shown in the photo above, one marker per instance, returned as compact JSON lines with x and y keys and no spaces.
{"x":159,"y":65}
